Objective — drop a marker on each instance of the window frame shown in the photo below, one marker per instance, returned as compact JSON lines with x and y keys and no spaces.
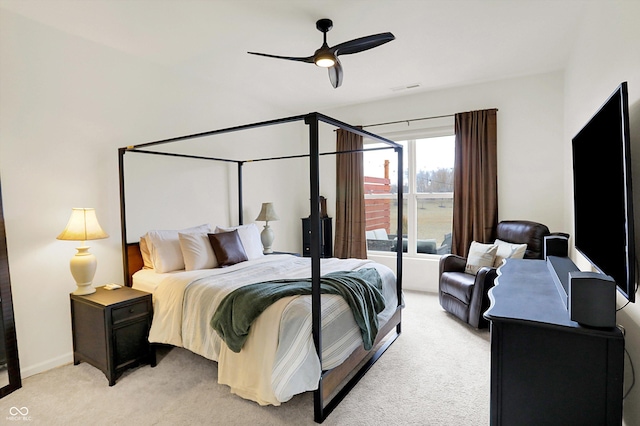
{"x":443,"y":126}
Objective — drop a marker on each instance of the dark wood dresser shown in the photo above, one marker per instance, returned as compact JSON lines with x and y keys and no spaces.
{"x":326,"y":234}
{"x":545,"y":368}
{"x":111,"y":330}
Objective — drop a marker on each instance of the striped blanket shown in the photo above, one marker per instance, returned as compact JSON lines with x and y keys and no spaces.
{"x":279,"y":359}
{"x":240,"y":308}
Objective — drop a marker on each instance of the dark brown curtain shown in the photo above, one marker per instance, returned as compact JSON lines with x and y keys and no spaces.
{"x":350,"y":240}
{"x":475,"y":193}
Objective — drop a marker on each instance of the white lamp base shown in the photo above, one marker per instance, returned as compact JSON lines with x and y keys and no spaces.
{"x":84,"y":290}
{"x":83,"y":268}
{"x":267,"y":237}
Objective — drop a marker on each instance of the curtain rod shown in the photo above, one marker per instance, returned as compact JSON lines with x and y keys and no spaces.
{"x":410,"y":120}
{"x":413,"y":119}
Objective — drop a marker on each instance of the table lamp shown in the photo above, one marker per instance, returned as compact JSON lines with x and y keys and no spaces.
{"x":267,"y":213}
{"x":83,"y":225}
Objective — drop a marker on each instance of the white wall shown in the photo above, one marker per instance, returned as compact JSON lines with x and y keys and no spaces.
{"x":606,"y":53}
{"x":67,"y":104}
{"x":530,"y":149}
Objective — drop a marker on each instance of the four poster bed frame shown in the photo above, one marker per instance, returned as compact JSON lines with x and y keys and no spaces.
{"x":336,"y":383}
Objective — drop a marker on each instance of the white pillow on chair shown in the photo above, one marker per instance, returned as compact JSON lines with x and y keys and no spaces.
{"x":508,"y":251}
{"x":480,"y":255}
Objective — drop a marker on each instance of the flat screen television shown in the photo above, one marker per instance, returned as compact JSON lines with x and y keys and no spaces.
{"x":603,"y":198}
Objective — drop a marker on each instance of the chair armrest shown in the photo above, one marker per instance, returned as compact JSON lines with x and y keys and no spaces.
{"x":479,"y":302}
{"x":452,"y":263}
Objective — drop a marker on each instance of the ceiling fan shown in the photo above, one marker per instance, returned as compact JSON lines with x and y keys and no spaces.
{"x":327,"y":57}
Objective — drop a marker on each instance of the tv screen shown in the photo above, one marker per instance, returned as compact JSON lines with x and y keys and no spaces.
{"x":603,"y":203}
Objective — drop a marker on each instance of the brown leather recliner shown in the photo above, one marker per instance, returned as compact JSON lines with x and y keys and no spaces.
{"x":465,"y":295}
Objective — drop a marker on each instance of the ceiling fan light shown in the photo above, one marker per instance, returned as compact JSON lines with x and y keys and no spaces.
{"x":325,"y":61}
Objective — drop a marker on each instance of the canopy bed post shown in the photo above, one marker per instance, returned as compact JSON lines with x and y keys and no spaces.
{"x":123,"y":217}
{"x":240,"y":207}
{"x":314,"y":171}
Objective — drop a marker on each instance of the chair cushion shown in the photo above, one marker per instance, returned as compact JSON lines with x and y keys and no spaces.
{"x":427,"y":246}
{"x":458,"y":285}
{"x":422,"y":246}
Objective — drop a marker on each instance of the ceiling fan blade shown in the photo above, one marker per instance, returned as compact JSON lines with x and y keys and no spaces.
{"x":335,"y":74}
{"x":361,"y":44}
{"x":308,"y":59}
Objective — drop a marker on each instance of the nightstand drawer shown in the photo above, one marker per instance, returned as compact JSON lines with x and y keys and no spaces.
{"x":129,"y":312}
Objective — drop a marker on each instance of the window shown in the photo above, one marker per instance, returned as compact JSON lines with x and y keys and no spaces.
{"x":428,"y":194}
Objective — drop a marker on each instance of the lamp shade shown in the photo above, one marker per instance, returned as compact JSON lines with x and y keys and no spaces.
{"x":267,"y":213}
{"x":83,"y":225}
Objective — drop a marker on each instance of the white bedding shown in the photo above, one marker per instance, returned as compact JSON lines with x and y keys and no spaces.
{"x":279,"y":358}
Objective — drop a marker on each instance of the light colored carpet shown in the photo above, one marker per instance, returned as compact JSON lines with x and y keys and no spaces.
{"x":436,"y":373}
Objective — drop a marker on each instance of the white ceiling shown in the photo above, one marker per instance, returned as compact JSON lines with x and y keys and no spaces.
{"x":439,"y":43}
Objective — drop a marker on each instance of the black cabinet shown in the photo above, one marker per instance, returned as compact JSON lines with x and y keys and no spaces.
{"x":111,"y":330}
{"x":545,"y":368}
{"x":326,"y":234}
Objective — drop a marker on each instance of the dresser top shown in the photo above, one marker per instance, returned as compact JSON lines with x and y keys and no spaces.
{"x":525,"y":291}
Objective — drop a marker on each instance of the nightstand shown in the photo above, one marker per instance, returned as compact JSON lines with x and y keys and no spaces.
{"x":111,"y":330}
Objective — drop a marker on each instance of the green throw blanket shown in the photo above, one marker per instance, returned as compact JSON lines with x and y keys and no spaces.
{"x":361,"y":289}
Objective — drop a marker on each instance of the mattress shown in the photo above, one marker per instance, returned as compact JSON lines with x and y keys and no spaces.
{"x":279,"y":359}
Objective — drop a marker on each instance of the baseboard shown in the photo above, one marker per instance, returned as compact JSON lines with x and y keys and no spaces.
{"x":47,"y":365}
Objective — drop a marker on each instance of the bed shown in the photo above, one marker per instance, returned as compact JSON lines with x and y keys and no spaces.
{"x":286,"y":351}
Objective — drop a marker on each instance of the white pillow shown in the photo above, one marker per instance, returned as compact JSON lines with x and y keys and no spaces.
{"x":164,"y":247}
{"x":480,"y":255}
{"x":380,"y":234}
{"x":250,"y":238}
{"x":508,"y":251}
{"x":146,"y":256}
{"x":197,"y":251}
